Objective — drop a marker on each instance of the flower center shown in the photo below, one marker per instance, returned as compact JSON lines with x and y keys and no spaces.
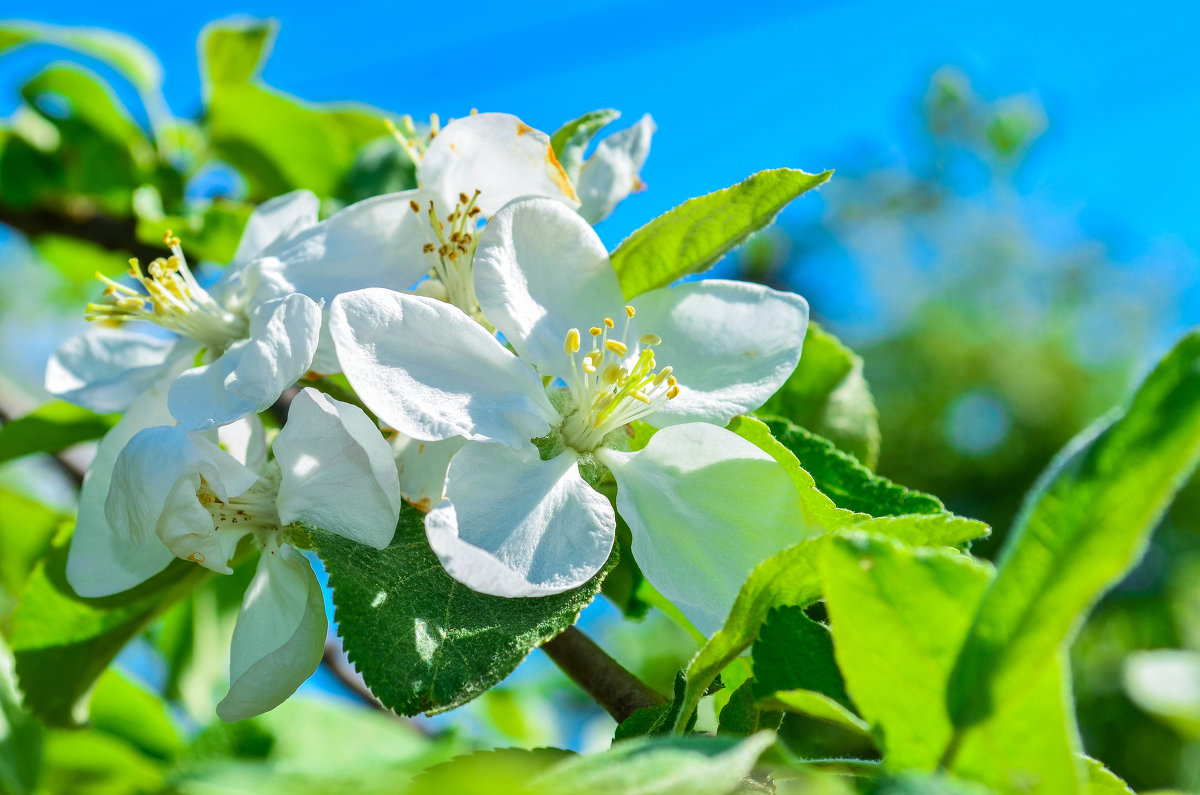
{"x":251,"y":511}
{"x":450,"y":245}
{"x":172,"y":299}
{"x":610,"y":387}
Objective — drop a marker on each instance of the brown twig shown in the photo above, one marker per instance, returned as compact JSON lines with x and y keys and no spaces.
{"x":601,"y":677}
{"x":114,"y":234}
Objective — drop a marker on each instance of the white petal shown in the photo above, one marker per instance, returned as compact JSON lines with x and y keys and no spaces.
{"x":704,"y":507}
{"x":372,"y":243}
{"x":422,"y":468}
{"x":279,"y":637}
{"x":246,"y":441}
{"x":540,"y":271}
{"x":730,"y":344}
{"x":514,"y":525}
{"x":254,"y":372}
{"x":105,"y":369}
{"x":338,"y":471}
{"x":100,"y":561}
{"x":430,"y":372}
{"x":611,"y":173}
{"x":273,"y":222}
{"x":153,"y":493}
{"x":498,"y":155}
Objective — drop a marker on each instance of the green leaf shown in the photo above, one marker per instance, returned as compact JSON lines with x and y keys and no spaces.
{"x":742,"y":715}
{"x":1084,"y":525}
{"x":828,"y":395}
{"x":62,"y":643}
{"x":899,"y":617}
{"x":693,"y":236}
{"x":127,"y":710}
{"x":793,"y":652}
{"x":847,"y":482}
{"x":20,"y":737}
{"x":652,"y":721}
{"x":791,"y":577}
{"x":696,"y":764}
{"x":571,"y":140}
{"x":92,"y":763}
{"x":124,"y":53}
{"x":500,"y":770}
{"x":51,"y":428}
{"x":819,"y":706}
{"x":1102,"y":781}
{"x":212,"y":234}
{"x":27,"y":530}
{"x":422,"y":641}
{"x":233,"y":50}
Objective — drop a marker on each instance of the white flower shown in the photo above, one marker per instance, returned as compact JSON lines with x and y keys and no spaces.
{"x":613,"y":170}
{"x":519,"y":518}
{"x":175,"y":493}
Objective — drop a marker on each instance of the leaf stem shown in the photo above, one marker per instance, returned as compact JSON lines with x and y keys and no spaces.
{"x":601,"y":677}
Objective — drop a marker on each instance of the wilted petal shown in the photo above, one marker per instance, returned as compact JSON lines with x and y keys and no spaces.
{"x":498,"y":155}
{"x":514,"y":525}
{"x":611,"y":173}
{"x":154,"y":493}
{"x":705,"y":507}
{"x":105,"y":369}
{"x":254,"y":372}
{"x":338,"y":471}
{"x":540,"y":270}
{"x":279,"y":637}
{"x":430,"y":372}
{"x":422,"y":468}
{"x":730,"y":344}
{"x":102,"y":562}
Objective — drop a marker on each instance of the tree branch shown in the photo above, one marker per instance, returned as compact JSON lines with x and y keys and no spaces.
{"x":603,"y":678}
{"x":114,"y":234}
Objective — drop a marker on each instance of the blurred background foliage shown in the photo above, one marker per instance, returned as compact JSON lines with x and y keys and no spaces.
{"x":988,"y":337}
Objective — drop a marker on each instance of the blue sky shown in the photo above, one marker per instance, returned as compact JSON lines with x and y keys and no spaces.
{"x":733,"y":91}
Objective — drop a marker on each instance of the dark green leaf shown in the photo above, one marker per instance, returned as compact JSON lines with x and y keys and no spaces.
{"x":422,"y":641}
{"x":742,"y":715}
{"x":828,"y":395}
{"x":127,"y":710}
{"x":793,"y":652}
{"x":20,"y":737}
{"x":651,"y":721}
{"x":51,"y":428}
{"x":1084,"y":525}
{"x":692,"y":237}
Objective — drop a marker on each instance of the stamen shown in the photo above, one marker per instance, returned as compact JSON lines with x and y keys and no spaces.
{"x":650,"y":339}
{"x":572,"y":342}
{"x":616,"y":347}
{"x":629,"y":311}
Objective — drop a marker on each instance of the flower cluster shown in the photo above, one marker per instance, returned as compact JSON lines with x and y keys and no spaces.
{"x":500,"y":382}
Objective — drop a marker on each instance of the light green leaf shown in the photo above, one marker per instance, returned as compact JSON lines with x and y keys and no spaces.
{"x":127,"y":710}
{"x":27,"y":529}
{"x":1102,"y":781}
{"x":62,"y":643}
{"x":828,"y":395}
{"x":501,"y":770}
{"x":819,"y":706}
{"x":571,"y":140}
{"x":92,"y":763}
{"x":51,"y":428}
{"x":695,"y":764}
{"x":422,"y":641}
{"x":898,"y":617}
{"x":20,"y":736}
{"x":124,"y":53}
{"x":233,"y":50}
{"x":1084,"y":525}
{"x":692,"y":237}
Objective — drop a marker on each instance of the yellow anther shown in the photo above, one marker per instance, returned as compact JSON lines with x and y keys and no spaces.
{"x":571,"y":345}
{"x":589,"y":366}
{"x":416,"y":208}
{"x":650,"y":339}
{"x":131,"y":304}
{"x":616,"y":347}
{"x":629,"y":311}
{"x":672,"y":392}
{"x":612,"y":374}
{"x":608,"y":321}
{"x":595,"y":332}
{"x":671,"y":381}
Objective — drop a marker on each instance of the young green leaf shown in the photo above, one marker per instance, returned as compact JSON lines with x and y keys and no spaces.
{"x":692,"y":237}
{"x":124,"y":53}
{"x":233,"y":51}
{"x":21,"y":736}
{"x":53,"y":427}
{"x":571,"y":140}
{"x":422,"y":641}
{"x":694,"y":764}
{"x":1084,"y":525}
{"x":793,"y":652}
{"x":62,"y":643}
{"x":828,"y":395}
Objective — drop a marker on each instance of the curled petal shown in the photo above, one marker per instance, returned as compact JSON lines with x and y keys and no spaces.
{"x":540,"y":271}
{"x":430,"y":372}
{"x":611,"y":173}
{"x":498,"y":155}
{"x":422,"y":467}
{"x":514,"y":525}
{"x":705,"y":507}
{"x":279,"y":637}
{"x":731,"y":345}
{"x":338,"y":472}
{"x":254,"y":372}
{"x":275,"y":221}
